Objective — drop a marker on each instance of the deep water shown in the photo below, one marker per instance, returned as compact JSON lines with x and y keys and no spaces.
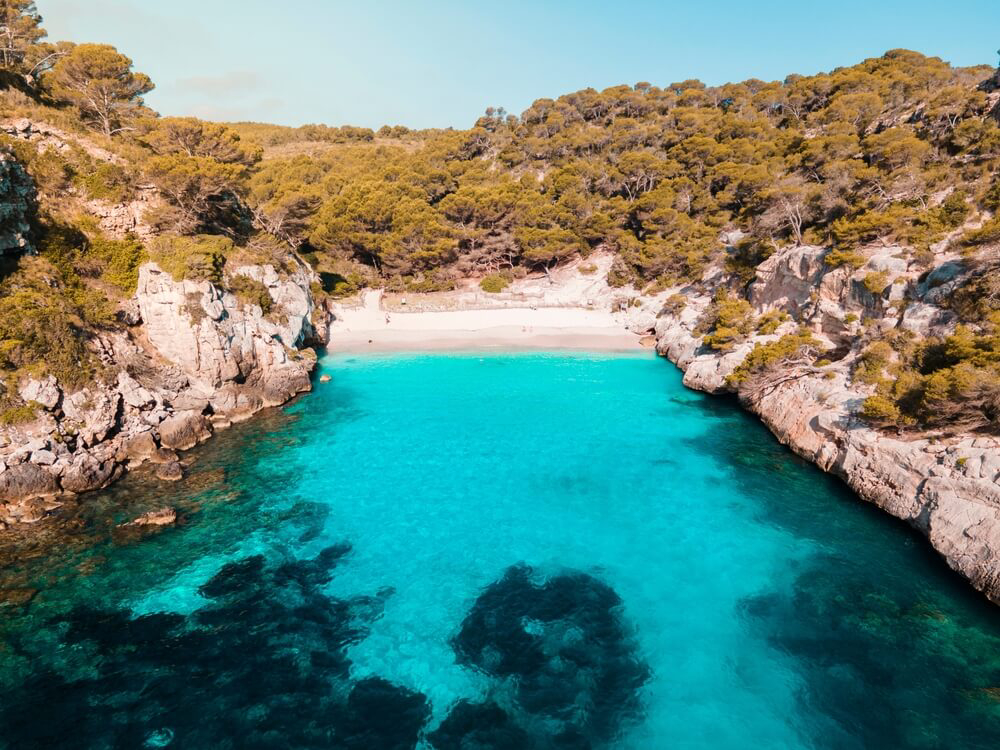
{"x":532,"y":551}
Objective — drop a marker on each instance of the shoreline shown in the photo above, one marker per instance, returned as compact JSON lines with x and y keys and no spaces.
{"x":499,"y":338}
{"x":370,"y":327}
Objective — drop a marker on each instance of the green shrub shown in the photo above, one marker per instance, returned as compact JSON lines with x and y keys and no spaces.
{"x":872,"y":363}
{"x":200,"y":258}
{"x":107,"y":182}
{"x":121,"y":260}
{"x":770,"y":321}
{"x":494,"y":283}
{"x":588,"y":268}
{"x":987,"y":234}
{"x":727,"y":320}
{"x":954,"y":209}
{"x":42,"y":325}
{"x":20,"y":414}
{"x":674,"y":304}
{"x":879,"y":408}
{"x":763,"y":356}
{"x":876,"y":282}
{"x":250,"y":292}
{"x":849,"y":258}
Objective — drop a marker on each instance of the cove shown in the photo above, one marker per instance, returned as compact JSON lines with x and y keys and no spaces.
{"x":494,"y":551}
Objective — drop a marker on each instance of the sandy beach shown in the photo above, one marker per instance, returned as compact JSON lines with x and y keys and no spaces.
{"x":369,"y":327}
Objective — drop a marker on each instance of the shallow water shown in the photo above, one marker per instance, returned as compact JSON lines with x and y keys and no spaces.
{"x":503,"y":551}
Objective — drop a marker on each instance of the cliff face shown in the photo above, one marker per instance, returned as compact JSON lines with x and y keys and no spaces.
{"x":195,"y":360}
{"x":947,"y":487}
{"x":16,"y":205}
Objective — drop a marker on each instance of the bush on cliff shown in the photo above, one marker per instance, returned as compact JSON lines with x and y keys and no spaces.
{"x":728,"y":320}
{"x":200,"y":258}
{"x":250,"y":292}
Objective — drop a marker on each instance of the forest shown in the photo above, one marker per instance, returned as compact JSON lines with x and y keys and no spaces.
{"x":673,"y":178}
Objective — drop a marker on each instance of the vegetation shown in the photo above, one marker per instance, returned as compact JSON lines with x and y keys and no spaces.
{"x":251,"y":292}
{"x":200,"y":258}
{"x":99,"y":82}
{"x":494,"y":283}
{"x":728,"y":320}
{"x":901,"y":149}
{"x":775,"y":353}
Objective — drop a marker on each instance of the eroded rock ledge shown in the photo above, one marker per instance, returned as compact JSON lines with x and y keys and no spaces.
{"x":196,"y":360}
{"x":946,"y":487}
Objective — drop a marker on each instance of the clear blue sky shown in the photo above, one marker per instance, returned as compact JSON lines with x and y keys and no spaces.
{"x":441,"y":63}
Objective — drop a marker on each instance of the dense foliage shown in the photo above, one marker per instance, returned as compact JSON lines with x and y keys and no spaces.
{"x":901,"y":148}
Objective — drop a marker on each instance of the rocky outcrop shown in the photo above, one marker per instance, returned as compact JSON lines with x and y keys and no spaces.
{"x":198,"y":360}
{"x":238,"y":360}
{"x":946,"y":487}
{"x":17,"y":203}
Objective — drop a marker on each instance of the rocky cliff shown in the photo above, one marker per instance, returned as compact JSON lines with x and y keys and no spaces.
{"x":195,"y":359}
{"x":16,"y":206}
{"x":948,"y":487}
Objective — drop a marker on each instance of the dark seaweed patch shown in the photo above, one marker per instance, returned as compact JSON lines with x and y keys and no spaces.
{"x":261,"y":664}
{"x":479,"y":726}
{"x":568,"y":662}
{"x":867,"y":658}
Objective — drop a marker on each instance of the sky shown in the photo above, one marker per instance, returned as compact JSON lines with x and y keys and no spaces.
{"x":440,"y":63}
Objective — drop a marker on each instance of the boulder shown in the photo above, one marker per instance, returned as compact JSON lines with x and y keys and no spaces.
{"x":27,"y":480}
{"x":159,"y":517}
{"x":139,"y":447}
{"x":184,"y":430}
{"x":44,"y":391}
{"x":133,"y":394}
{"x":95,"y":412}
{"x":170,"y":472}
{"x":43,"y":457}
{"x":86,"y":473}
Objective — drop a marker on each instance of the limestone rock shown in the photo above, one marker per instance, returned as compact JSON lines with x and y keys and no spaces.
{"x":159,"y":517}
{"x":86,"y":473}
{"x":17,"y":204}
{"x":170,"y":472}
{"x":184,"y":430}
{"x":956,"y":503}
{"x":44,"y":391}
{"x":94,"y":413}
{"x":788,"y":279}
{"x":139,"y":447}
{"x":26,"y":480}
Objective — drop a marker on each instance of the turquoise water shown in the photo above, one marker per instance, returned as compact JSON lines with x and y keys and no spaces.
{"x":524,"y":550}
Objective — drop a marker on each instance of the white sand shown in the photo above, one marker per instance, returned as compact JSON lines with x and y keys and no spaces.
{"x":369,"y":327}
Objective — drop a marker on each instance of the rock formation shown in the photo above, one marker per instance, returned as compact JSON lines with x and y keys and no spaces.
{"x":16,"y":206}
{"x":197,"y":360}
{"x":946,"y":487}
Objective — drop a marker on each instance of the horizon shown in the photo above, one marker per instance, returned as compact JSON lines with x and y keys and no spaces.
{"x":531,"y":53}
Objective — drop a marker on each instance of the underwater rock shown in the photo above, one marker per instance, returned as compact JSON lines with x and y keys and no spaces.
{"x":184,"y":430}
{"x":171,"y":472}
{"x":160,"y":517}
{"x":30,"y":510}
